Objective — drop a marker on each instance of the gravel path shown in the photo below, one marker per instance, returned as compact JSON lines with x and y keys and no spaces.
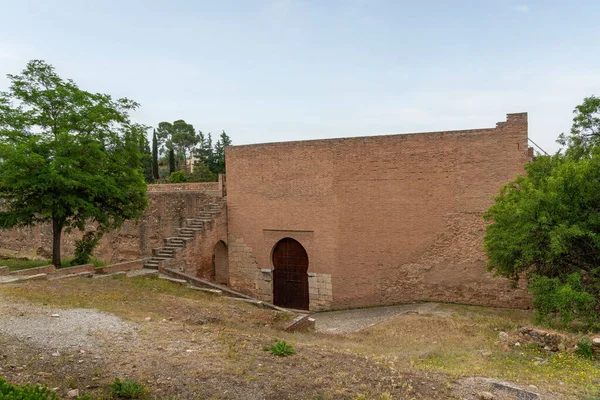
{"x":349,"y":321}
{"x":59,"y":329}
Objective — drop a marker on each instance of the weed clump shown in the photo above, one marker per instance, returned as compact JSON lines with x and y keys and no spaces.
{"x":27,"y":392}
{"x":127,"y":389}
{"x":282,"y":349}
{"x":584,"y":349}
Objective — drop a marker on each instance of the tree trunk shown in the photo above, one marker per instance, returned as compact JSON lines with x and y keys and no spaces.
{"x":171,"y":161}
{"x":56,"y":234}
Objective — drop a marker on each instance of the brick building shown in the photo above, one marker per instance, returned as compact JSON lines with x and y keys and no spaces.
{"x":331,"y":223}
{"x":371,"y":220}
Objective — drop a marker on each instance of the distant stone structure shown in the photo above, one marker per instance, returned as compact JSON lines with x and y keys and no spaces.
{"x":332,"y":223}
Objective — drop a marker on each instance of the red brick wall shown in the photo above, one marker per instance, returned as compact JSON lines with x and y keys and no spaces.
{"x":196,"y":258}
{"x":166,"y":211}
{"x":391,"y":218}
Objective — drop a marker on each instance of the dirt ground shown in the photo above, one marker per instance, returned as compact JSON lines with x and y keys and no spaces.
{"x":184,"y":344}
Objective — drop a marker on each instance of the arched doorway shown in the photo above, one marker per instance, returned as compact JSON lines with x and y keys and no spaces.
{"x":221,"y":263}
{"x":290,"y":275}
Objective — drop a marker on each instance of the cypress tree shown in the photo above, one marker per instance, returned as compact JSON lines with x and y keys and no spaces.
{"x":154,"y":155}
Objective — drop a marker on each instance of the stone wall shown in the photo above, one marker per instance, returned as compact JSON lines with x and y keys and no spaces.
{"x":167,"y":210}
{"x":196,"y":258}
{"x":388,"y":218}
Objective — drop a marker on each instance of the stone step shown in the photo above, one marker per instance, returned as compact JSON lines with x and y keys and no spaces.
{"x":172,"y":247}
{"x":154,"y":265}
{"x":162,"y":250}
{"x":186,"y":230}
{"x":143,"y":272}
{"x":165,"y":255}
{"x":175,"y":242}
{"x":118,"y":273}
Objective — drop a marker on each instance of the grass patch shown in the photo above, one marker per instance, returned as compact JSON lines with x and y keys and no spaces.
{"x":27,"y":392}
{"x":282,"y":349}
{"x":127,"y":389}
{"x":17,"y":264}
{"x":20,"y":263}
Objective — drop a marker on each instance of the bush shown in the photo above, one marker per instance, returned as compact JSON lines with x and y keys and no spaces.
{"x":282,"y":349}
{"x":561,"y":302}
{"x":27,"y":392}
{"x":85,"y":246}
{"x":177,"y":177}
{"x":584,"y":349}
{"x":127,"y":389}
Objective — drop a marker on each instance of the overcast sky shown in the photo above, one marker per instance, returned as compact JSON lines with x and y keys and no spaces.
{"x":292,"y":70}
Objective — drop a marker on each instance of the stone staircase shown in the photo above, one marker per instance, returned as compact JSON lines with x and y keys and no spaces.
{"x":193,"y":226}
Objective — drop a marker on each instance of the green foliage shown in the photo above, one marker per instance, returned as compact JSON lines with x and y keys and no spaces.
{"x":547,"y":224}
{"x":85,"y":246}
{"x":154,"y":155}
{"x":585,"y":132}
{"x":145,"y":156}
{"x":178,"y":138}
{"x":282,"y":349}
{"x":27,"y":392}
{"x":67,"y":156}
{"x":201,"y":173}
{"x":219,"y":153}
{"x":177,"y":177}
{"x":127,"y":389}
{"x":561,"y":301}
{"x":584,"y":349}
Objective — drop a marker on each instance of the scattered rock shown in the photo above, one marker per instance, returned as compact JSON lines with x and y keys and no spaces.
{"x":148,"y":319}
{"x":485,"y":396}
{"x":55,"y":315}
{"x":517,"y":344}
{"x":71,"y":394}
{"x":550,"y":341}
{"x":503,"y":336}
{"x":56,"y":354}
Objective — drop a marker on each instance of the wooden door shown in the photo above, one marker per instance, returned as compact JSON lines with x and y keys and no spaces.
{"x":290,"y":275}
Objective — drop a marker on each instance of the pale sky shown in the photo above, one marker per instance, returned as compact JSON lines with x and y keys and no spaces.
{"x":293,"y":70}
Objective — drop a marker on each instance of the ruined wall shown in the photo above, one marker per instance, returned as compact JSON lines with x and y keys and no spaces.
{"x":384,"y":219}
{"x":168,"y":207}
{"x":196,"y":258}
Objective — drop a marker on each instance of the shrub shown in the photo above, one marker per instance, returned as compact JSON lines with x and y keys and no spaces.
{"x":127,"y":389}
{"x":85,"y":246}
{"x":282,"y":349}
{"x":27,"y":392}
{"x":177,"y":177}
{"x":562,"y":301}
{"x":584,"y":349}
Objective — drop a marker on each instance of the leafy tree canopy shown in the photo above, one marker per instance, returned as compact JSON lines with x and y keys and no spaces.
{"x":67,"y":156}
{"x":547,"y":224}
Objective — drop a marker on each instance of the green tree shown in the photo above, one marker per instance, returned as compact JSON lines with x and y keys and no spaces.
{"x":585,"y":132}
{"x":145,"y":153}
{"x":154,"y":155}
{"x":67,"y":156}
{"x":204,"y":152}
{"x":179,"y":138}
{"x":184,"y":139}
{"x":547,"y":225}
{"x":219,"y":153}
{"x":201,"y":173}
{"x":164,"y":134}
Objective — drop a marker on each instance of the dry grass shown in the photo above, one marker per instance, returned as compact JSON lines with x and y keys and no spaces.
{"x":201,"y":346}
